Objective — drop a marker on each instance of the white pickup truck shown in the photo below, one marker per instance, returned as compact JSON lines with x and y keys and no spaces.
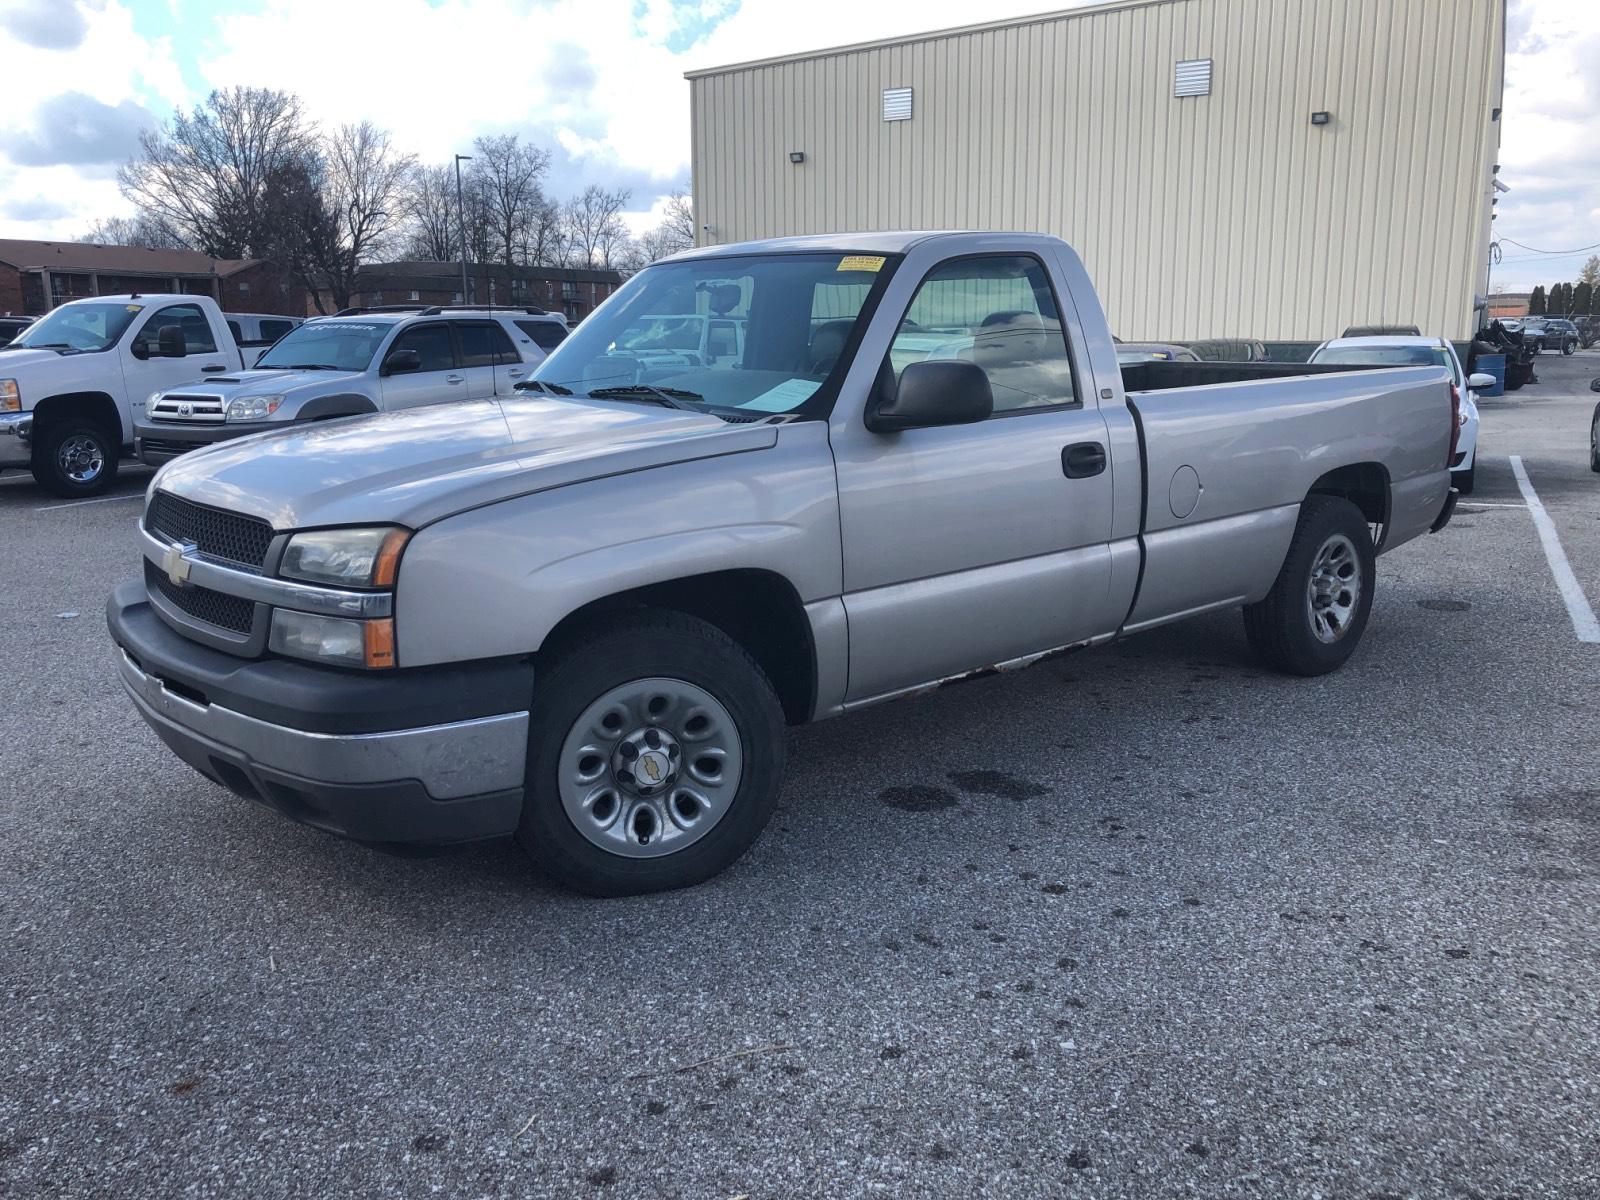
{"x":583,"y":617}
{"x":73,"y":383}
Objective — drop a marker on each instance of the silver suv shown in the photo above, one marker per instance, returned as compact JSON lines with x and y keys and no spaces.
{"x":360,"y":361}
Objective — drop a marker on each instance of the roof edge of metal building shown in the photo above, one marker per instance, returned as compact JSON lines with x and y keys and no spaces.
{"x":930,"y":35}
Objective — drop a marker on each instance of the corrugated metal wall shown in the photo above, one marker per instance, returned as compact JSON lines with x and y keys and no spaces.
{"x":1222,"y":215}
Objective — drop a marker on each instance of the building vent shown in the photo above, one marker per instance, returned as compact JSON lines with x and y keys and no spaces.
{"x":897,"y":104}
{"x":1192,"y":77}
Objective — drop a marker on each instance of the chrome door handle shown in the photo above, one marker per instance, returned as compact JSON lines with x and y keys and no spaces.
{"x":515,"y":374}
{"x":454,"y":379}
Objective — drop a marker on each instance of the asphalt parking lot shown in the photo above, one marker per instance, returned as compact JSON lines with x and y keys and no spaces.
{"x":1145,"y":921}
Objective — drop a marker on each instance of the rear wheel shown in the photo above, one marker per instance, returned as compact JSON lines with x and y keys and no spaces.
{"x":1313,"y":618}
{"x":75,"y":458}
{"x":655,"y":754}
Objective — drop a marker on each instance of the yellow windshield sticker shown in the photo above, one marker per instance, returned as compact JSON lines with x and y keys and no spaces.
{"x":861,"y":262}
{"x":133,"y":307}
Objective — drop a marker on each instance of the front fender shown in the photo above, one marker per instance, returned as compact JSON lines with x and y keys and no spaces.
{"x":496,"y":580}
{"x":321,"y":408}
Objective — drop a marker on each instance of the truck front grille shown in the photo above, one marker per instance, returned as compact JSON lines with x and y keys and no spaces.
{"x":233,"y":613}
{"x":177,"y":407}
{"x":231,"y":537}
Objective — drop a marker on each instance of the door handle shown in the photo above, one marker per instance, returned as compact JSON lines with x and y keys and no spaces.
{"x":515,"y":374}
{"x":454,"y":379}
{"x":213,"y":369}
{"x":1083,"y":459}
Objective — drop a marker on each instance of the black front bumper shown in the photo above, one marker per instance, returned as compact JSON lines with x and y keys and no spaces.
{"x":336,"y":749}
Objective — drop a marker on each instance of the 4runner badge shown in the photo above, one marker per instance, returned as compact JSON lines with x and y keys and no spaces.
{"x":175,"y":564}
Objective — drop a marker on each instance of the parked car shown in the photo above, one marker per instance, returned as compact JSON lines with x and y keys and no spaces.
{"x":1132,"y":352}
{"x":1230,"y":350}
{"x":73,"y":382}
{"x":1421,"y":352}
{"x":1556,"y":333}
{"x":254,"y":332}
{"x":1588,"y":328}
{"x":584,"y":616}
{"x":1381,"y":331}
{"x":10,"y":327}
{"x":343,"y":366}
{"x":1594,"y":430}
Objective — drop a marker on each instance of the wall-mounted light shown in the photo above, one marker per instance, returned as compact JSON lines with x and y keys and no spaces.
{"x":1494,"y":114}
{"x":1321,"y":118}
{"x":797,"y":156}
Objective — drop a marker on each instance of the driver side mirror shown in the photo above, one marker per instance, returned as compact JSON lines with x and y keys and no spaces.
{"x":402,"y":362}
{"x":1480,"y":379}
{"x":932,"y":394}
{"x":170,"y":342}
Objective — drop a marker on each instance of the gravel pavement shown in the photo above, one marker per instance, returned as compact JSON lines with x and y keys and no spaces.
{"x":1146,"y":921}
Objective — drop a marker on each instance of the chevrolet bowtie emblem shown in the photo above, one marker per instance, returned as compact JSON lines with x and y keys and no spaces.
{"x":175,"y":564}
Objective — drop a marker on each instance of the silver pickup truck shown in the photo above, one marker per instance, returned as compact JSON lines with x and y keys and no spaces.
{"x":584,"y":616}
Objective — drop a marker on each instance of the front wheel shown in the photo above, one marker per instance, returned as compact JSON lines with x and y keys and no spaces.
{"x":75,"y":458}
{"x":1313,"y":618}
{"x":1568,"y":347}
{"x":655,"y":754}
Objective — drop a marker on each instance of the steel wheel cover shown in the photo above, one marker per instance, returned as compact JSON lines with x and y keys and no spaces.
{"x":650,"y":767}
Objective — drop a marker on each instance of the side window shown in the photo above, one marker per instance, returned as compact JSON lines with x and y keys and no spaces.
{"x":484,"y":344}
{"x":197,"y":336}
{"x":546,"y":335}
{"x":238,"y":334}
{"x":432,"y":344}
{"x":271,"y":331}
{"x":999,"y":313}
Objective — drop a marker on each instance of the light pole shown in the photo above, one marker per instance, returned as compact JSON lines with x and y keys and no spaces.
{"x":461,"y":217}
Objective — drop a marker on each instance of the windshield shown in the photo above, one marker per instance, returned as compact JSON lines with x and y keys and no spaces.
{"x":329,"y":345}
{"x":1387,"y":356}
{"x":80,"y":327}
{"x":758,"y":333}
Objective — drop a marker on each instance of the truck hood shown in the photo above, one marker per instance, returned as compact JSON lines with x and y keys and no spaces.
{"x":259,"y":383}
{"x":420,"y":465}
{"x":11,"y":361}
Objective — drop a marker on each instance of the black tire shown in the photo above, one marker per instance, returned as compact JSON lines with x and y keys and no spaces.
{"x":1465,"y":481}
{"x":1280,"y":628}
{"x":645,"y":644}
{"x":59,"y":477}
{"x":1567,"y":347}
{"x":1594,"y":441}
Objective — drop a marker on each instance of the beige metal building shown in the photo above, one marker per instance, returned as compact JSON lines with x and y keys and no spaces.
{"x":1270,"y":168}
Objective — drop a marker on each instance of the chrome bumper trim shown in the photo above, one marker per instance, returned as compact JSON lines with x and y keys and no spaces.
{"x":16,"y":432}
{"x":464,"y":758}
{"x":280,"y":593}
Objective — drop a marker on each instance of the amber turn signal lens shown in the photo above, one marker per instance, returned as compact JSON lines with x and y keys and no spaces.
{"x":387,"y":563}
{"x":378,"y":642}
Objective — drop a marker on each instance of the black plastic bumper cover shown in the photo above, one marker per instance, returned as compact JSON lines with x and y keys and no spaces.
{"x":320,"y":700}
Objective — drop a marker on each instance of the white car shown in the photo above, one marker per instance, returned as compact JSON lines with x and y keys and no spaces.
{"x":1395,"y":351}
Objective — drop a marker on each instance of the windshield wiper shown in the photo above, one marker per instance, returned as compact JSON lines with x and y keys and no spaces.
{"x":666,"y":397}
{"x":529,"y":385}
{"x":303,"y":367}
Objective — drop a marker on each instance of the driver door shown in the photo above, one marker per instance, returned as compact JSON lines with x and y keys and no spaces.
{"x":440,"y":377}
{"x":145,"y":371}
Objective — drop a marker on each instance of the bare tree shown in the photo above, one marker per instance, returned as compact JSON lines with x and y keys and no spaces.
{"x":138,"y":230}
{"x":207,"y":175}
{"x":508,"y":173}
{"x":677,"y":222}
{"x":430,"y":211}
{"x":596,"y":234}
{"x":363,"y":196}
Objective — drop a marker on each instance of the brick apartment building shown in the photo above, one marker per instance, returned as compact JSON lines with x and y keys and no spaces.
{"x":37,"y":276}
{"x":569,"y":290}
{"x":1508,"y":304}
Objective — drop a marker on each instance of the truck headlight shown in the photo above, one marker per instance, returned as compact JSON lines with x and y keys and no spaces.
{"x":359,"y":558}
{"x":253,"y":408}
{"x":335,"y":640}
{"x":10,"y":396}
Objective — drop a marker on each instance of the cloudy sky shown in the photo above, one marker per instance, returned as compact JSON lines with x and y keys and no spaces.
{"x":600,"y":82}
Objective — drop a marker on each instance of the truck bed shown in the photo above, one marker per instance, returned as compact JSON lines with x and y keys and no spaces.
{"x":1157,"y":376}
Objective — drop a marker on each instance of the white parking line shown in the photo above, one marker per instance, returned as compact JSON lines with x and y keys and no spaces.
{"x":1583,"y":618}
{"x":1469,"y":505}
{"x":81,"y":503}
